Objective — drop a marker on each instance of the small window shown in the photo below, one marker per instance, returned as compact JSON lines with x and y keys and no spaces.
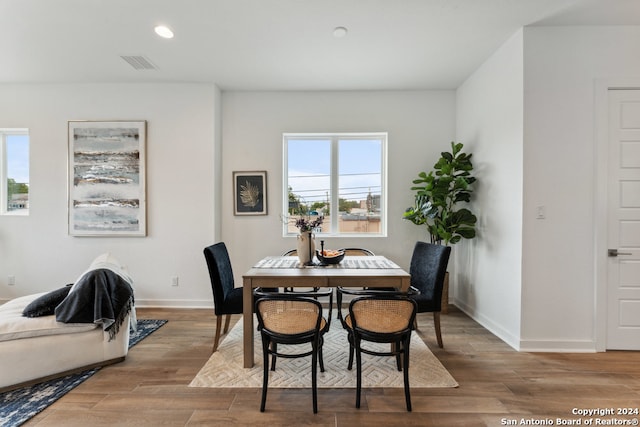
{"x":347,"y":171}
{"x":14,"y":171}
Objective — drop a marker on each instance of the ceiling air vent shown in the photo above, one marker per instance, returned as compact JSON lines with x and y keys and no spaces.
{"x":139,"y":62}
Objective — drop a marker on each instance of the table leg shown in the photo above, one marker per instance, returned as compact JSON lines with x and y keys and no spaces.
{"x":406,"y":284}
{"x":247,"y":322}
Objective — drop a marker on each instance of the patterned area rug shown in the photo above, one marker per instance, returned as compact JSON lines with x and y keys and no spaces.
{"x":18,"y":406}
{"x":224,"y":367}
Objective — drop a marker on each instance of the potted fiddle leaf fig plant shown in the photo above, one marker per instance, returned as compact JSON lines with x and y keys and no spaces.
{"x":438,"y":194}
{"x":436,"y":203}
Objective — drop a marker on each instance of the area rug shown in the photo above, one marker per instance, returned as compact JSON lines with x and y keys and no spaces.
{"x":18,"y":406}
{"x":225,"y":367}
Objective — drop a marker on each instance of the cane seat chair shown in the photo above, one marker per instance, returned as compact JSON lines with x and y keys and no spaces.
{"x":356,"y":252}
{"x":294,"y":252}
{"x":382,"y":318}
{"x":350,"y":252}
{"x":325,"y":297}
{"x":354,"y":293}
{"x":291,"y":319}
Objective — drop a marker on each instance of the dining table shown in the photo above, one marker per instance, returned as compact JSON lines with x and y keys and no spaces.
{"x":287,"y":271}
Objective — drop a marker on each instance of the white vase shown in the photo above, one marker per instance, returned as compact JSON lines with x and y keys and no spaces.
{"x":306,"y":247}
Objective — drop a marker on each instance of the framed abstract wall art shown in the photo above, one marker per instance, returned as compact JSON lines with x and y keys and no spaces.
{"x":107,"y":178}
{"x":250,"y":193}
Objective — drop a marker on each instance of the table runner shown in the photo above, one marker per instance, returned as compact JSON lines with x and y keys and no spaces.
{"x":375,"y":262}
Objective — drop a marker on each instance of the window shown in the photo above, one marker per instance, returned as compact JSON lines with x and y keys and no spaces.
{"x":14,"y":171}
{"x":344,"y":170}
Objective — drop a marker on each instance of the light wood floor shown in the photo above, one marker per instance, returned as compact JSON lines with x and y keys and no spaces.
{"x":498,"y":385}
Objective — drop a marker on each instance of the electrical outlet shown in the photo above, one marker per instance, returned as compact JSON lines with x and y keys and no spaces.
{"x":174,"y":281}
{"x":11,"y":280}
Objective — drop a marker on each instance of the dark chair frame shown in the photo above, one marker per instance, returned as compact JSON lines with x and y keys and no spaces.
{"x":383,"y":292}
{"x":316,"y":294}
{"x":400,"y":339}
{"x":271,"y":339}
{"x":356,"y":252}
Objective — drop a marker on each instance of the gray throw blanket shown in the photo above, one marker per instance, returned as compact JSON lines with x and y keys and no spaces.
{"x":100,"y":296}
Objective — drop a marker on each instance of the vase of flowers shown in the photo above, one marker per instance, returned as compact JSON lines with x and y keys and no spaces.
{"x":306,"y":246}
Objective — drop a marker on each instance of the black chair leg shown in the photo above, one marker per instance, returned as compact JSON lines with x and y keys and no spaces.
{"x":320,"y":356}
{"x":407,"y":392}
{"x":350,"y":339}
{"x":265,"y":378}
{"x":274,"y":349}
{"x":358,"y":373}
{"x":314,"y":377}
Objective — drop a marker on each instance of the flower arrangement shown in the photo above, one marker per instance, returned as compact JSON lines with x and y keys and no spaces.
{"x":305,"y":224}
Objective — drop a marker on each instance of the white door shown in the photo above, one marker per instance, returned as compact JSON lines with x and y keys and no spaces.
{"x":623,"y":272}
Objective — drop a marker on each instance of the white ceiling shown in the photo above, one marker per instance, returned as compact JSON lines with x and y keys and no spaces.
{"x":276,"y":44}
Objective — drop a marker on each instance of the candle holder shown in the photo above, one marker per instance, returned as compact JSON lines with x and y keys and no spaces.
{"x":322,"y":263}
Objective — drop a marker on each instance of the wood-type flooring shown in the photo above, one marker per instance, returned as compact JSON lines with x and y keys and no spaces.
{"x":498,"y":386}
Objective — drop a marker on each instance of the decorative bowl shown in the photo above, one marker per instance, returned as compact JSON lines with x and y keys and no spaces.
{"x":331,"y":257}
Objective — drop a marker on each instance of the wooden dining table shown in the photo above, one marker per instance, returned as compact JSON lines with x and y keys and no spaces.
{"x":286,"y":271}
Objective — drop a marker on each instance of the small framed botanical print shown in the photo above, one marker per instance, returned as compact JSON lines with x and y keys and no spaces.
{"x":250,"y":193}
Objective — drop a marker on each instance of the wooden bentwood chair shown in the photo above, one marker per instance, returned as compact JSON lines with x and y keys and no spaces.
{"x":292,"y":318}
{"x":350,"y":252}
{"x":382,"y":318}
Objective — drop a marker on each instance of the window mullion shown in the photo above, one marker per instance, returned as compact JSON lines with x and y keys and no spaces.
{"x":3,"y":173}
{"x":335,"y":185}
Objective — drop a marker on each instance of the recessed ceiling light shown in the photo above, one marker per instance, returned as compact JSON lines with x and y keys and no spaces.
{"x":339,"y":32}
{"x":163,"y":31}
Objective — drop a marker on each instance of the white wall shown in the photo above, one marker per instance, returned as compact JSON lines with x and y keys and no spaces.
{"x":562,"y":68}
{"x":490,"y":124}
{"x":181,"y":121}
{"x":420,"y":126}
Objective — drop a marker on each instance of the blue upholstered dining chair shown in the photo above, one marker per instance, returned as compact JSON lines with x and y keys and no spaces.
{"x":428,"y":268}
{"x":226,"y":297}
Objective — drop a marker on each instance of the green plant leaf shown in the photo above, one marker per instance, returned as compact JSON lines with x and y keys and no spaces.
{"x":439,"y":191}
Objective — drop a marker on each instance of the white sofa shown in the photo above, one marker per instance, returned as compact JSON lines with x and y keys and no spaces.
{"x":94,"y":317}
{"x":38,"y":348}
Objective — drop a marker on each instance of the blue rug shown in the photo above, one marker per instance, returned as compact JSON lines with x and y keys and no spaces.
{"x":18,"y":406}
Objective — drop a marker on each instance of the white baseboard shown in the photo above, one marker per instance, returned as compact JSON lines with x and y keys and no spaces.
{"x":492,"y":327}
{"x":533,"y":346}
{"x":541,"y":346}
{"x":165,"y":303}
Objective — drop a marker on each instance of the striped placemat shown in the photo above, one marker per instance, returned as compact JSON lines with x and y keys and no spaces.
{"x":279,"y":262}
{"x":375,"y":262}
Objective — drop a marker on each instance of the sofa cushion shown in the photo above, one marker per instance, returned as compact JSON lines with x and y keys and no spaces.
{"x":46,"y":304}
{"x":13,"y":325}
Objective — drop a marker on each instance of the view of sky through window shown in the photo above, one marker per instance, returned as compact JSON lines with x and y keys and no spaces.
{"x":338,"y":176}
{"x":310,"y":169}
{"x":18,"y":158}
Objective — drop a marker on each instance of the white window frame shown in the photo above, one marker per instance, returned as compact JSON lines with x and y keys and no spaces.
{"x":4,"y":132}
{"x":335,"y":137}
